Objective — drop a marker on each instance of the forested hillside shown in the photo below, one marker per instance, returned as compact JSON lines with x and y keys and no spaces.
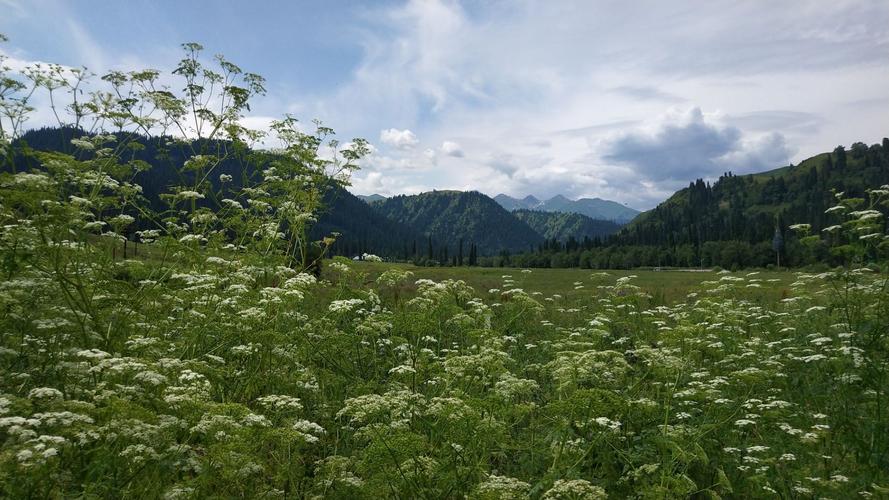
{"x":749,"y":208}
{"x":563,"y":226}
{"x":453,"y":216}
{"x":155,"y":160}
{"x":359,"y":228}
{"x":738,"y":221}
{"x":363,"y":230}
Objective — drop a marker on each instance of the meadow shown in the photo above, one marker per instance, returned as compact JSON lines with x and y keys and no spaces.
{"x":664,"y":286}
{"x":383,"y":380}
{"x":215,"y":365}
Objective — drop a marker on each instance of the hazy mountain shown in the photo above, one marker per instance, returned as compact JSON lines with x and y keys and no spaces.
{"x":594,"y":208}
{"x":370,"y":198}
{"x":449,"y":216}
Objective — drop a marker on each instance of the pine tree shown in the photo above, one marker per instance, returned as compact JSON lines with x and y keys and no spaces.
{"x":840,"y":154}
{"x":778,"y":243}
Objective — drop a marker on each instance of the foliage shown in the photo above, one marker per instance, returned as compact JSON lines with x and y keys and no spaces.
{"x":563,"y":226}
{"x":448,"y":216}
{"x":745,"y":210}
{"x":211,"y":365}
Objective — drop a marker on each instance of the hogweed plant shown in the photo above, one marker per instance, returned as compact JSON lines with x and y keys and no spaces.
{"x":213,"y":365}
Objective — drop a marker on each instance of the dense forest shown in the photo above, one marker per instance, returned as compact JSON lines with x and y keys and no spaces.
{"x":451,"y":216}
{"x":736,"y":222}
{"x":361,"y":229}
{"x":563,"y":226}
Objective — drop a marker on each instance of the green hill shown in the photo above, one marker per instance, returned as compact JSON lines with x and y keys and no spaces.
{"x":749,"y":207}
{"x":361,"y":230}
{"x":562,"y":226}
{"x":451,"y":216}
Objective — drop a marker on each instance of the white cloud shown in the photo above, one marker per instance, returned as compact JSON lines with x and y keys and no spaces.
{"x":681,"y":146}
{"x":401,"y":139}
{"x":582,"y":110}
{"x":431,"y":155}
{"x":497,"y":80}
{"x":451,"y":148}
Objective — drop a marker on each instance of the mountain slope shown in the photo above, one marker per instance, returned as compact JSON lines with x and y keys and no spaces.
{"x":448,"y":216}
{"x":562,"y":226}
{"x":594,"y":208}
{"x":750,"y":207}
{"x":363,"y":230}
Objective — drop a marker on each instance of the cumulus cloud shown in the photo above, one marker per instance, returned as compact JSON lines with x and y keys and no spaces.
{"x":759,"y":153}
{"x":577,"y":111}
{"x":451,"y":148}
{"x":588,"y":96}
{"x":689,"y":145}
{"x":401,"y":139}
{"x":504,"y":163}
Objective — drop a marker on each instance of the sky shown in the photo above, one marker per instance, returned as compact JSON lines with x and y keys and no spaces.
{"x":626,"y":101}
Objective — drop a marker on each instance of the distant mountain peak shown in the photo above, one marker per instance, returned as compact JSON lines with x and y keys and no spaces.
{"x":594,"y":208}
{"x":371,"y":198}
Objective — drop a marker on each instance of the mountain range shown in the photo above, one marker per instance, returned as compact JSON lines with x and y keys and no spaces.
{"x":728,"y":222}
{"x":594,"y":208}
{"x":469,"y":216}
{"x":435,"y":223}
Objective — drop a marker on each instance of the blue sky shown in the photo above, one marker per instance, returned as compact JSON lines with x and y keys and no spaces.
{"x":622,"y":100}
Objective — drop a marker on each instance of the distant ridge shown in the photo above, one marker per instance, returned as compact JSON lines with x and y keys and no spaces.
{"x":449,"y":216}
{"x":594,"y":208}
{"x":370,"y":198}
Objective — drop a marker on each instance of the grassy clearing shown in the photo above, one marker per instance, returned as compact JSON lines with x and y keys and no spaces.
{"x":665,"y":287}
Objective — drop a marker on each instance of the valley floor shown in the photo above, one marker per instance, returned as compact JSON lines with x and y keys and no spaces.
{"x":665,"y":287}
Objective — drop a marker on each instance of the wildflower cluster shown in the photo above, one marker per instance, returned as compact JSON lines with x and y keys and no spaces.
{"x":214,"y":365}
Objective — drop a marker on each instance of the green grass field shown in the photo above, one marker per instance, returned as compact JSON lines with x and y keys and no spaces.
{"x":665,"y":287}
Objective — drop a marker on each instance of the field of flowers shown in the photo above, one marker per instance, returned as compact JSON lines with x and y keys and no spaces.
{"x":215,"y":365}
{"x":235,"y":380}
